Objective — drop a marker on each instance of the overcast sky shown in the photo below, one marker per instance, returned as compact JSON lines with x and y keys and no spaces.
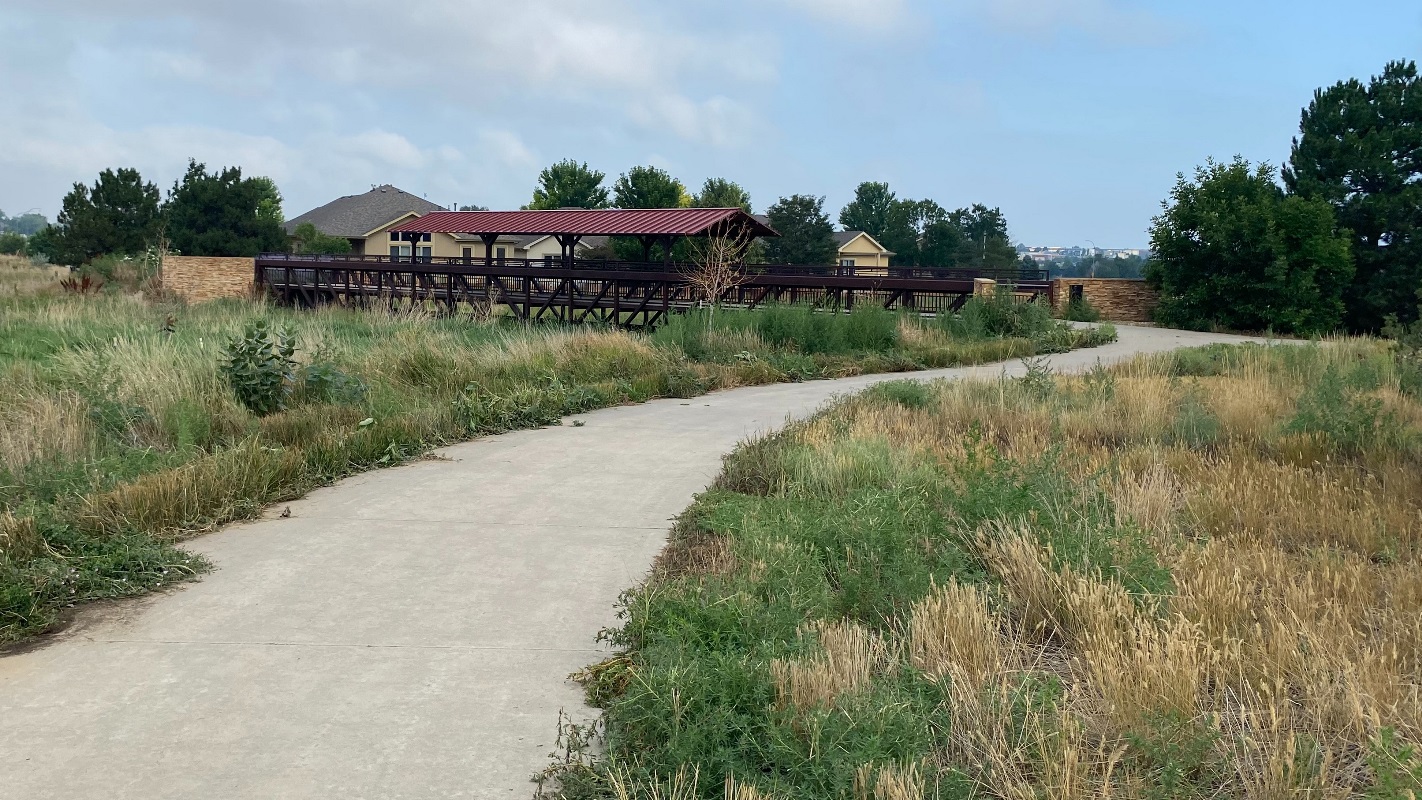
{"x":1073,"y":116}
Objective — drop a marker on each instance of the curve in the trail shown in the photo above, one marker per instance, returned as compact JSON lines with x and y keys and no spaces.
{"x":406,"y":633}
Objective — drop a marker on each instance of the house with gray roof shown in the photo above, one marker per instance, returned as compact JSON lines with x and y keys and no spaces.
{"x":855,"y":248}
{"x":366,"y":219}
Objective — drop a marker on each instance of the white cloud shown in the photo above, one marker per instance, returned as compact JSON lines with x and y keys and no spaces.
{"x":718,"y":121}
{"x":467,"y":45}
{"x":383,"y":147}
{"x":51,"y":154}
{"x":303,"y":90}
{"x":507,"y":146}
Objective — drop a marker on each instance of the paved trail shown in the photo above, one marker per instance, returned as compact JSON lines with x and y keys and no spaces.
{"x":404,"y":634}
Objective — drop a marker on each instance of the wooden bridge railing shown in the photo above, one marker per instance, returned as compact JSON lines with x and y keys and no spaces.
{"x":620,"y":292}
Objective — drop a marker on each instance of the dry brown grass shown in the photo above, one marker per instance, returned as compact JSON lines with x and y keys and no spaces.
{"x":19,"y":277}
{"x":890,"y":782}
{"x":1293,"y":636}
{"x":953,"y":627}
{"x":850,"y":655}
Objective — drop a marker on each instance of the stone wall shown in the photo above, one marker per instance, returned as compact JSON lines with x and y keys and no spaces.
{"x":200,"y":278}
{"x":1118,"y":299}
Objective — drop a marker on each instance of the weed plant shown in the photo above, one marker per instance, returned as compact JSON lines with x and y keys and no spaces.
{"x":1190,"y":576}
{"x":1081,"y":310}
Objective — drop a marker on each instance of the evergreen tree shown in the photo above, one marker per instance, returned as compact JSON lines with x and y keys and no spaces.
{"x":568,"y":184}
{"x":1232,"y":250}
{"x":806,"y":235}
{"x":985,"y":243}
{"x":223,"y":214}
{"x":1360,"y":151}
{"x":119,"y":215}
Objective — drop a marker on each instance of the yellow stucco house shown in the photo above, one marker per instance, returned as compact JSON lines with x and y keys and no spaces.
{"x":365,"y":221}
{"x":860,"y":250}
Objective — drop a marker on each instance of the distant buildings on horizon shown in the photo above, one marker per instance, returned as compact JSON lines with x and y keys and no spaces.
{"x":1048,"y":255}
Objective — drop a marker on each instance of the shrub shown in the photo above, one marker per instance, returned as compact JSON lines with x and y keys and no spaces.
{"x":802,"y":329}
{"x":258,"y":365}
{"x":1351,"y":420}
{"x":1081,"y":310}
{"x":12,"y":244}
{"x":1233,"y":250}
{"x":907,"y":393}
{"x":998,"y":315}
{"x":323,"y":382}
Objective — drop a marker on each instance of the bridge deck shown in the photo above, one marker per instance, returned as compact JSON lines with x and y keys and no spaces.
{"x":629,"y":293}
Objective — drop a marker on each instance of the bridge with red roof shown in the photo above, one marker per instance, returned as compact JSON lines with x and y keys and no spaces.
{"x":617,"y":292}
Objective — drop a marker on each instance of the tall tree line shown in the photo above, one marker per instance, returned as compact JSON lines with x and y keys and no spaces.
{"x":919,"y":232}
{"x":923,"y":233}
{"x":217,"y":213}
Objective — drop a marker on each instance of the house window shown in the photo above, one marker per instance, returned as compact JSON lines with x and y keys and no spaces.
{"x":394,"y":237}
{"x":846,"y":262}
{"x":1077,"y":293}
{"x":399,"y":250}
{"x":468,"y":253}
{"x":425,"y":238}
{"x":426,"y":252}
{"x":500,"y":252}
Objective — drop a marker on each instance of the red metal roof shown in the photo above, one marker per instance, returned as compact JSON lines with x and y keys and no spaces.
{"x":588,"y":222}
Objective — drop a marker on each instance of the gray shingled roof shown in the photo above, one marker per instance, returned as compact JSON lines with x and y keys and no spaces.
{"x":358,"y":214}
{"x":842,"y":238}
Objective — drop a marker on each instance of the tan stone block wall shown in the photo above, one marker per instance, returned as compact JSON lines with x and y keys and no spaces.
{"x":198,"y":279}
{"x":1118,"y":299}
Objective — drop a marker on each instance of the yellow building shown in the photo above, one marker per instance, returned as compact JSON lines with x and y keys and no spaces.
{"x":860,"y":250}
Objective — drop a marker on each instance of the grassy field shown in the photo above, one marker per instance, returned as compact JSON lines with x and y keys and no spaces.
{"x":120,"y":436}
{"x":1191,"y":576}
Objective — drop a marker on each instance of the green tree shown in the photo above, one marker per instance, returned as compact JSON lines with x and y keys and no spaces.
{"x":27,"y":224}
{"x":1233,"y":250}
{"x":568,"y":184}
{"x":473,"y":208}
{"x":894,"y":223}
{"x":649,"y":187}
{"x":12,"y":244}
{"x":985,"y":243}
{"x":1360,"y":150}
{"x":722,"y":193}
{"x":42,"y":244}
{"x":223,"y":214}
{"x":269,"y":206}
{"x":806,"y":235}
{"x":119,"y":214}
{"x":941,"y":242}
{"x":306,"y":239}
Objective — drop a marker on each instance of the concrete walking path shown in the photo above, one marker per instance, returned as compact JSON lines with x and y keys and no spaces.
{"x":406,"y":633}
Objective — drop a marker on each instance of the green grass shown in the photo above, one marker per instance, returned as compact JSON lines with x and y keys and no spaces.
{"x":861,"y":537}
{"x":120,"y":436}
{"x":1115,"y":480}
